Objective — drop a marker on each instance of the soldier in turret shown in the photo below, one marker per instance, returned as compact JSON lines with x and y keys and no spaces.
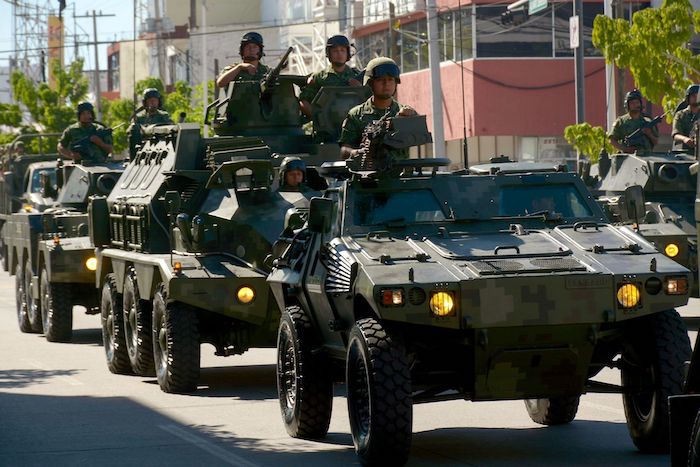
{"x":152,"y":113}
{"x":382,"y":75}
{"x":251,"y":51}
{"x":293,"y":175}
{"x":684,"y":119}
{"x":86,"y":140}
{"x":339,"y":73}
{"x":631,"y":132}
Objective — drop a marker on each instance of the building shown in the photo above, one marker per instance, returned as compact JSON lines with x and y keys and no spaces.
{"x":5,"y":87}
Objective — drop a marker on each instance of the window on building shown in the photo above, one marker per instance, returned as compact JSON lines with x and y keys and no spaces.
{"x":410,"y":47}
{"x":446,"y":27}
{"x":532,"y":38}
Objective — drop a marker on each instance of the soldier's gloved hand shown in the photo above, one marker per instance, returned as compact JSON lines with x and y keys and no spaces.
{"x":406,"y":111}
{"x":690,"y":142}
{"x":95,"y":139}
{"x":353,"y":82}
{"x":648,"y":132}
{"x":248,"y":67}
{"x":358,"y":153}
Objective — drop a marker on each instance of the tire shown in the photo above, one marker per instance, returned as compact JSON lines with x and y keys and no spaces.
{"x":56,"y":309}
{"x":304,"y":384}
{"x":137,"y":327}
{"x":176,"y":344}
{"x":553,"y":410}
{"x":3,"y":256}
{"x":113,"y":328}
{"x":379,"y":395}
{"x":653,"y":370}
{"x":694,"y":448}
{"x":21,"y":300}
{"x":33,"y":309}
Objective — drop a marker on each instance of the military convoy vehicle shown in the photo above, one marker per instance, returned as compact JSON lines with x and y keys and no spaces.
{"x":50,"y":254}
{"x":669,"y":191}
{"x":501,"y":282}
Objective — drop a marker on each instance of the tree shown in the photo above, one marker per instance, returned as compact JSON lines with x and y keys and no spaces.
{"x":588,"y":140}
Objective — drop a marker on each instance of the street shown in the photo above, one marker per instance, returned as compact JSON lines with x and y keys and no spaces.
{"x":59,"y":405}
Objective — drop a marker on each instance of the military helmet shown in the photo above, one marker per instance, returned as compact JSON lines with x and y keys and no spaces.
{"x":86,"y":106}
{"x":333,"y":41}
{"x":632,"y":95}
{"x":692,"y":89}
{"x":18,"y":144}
{"x":379,"y":67}
{"x":254,"y":38}
{"x":291,"y":163}
{"x":151,"y":92}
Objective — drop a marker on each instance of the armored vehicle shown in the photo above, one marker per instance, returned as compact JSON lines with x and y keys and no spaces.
{"x":669,"y":191}
{"x":50,"y":254}
{"x":181,"y":248}
{"x":502,"y":282}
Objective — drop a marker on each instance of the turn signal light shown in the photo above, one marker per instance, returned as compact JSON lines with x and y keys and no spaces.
{"x":245,"y":295}
{"x":91,"y":263}
{"x":671,"y":250}
{"x":676,"y":285}
{"x":392,"y":297}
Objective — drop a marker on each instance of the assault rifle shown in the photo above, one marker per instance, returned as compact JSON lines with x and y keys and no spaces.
{"x":636,"y":138}
{"x":82,"y":146}
{"x":268,"y":82}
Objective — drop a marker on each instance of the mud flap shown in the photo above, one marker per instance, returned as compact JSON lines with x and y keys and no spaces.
{"x":683,"y":410}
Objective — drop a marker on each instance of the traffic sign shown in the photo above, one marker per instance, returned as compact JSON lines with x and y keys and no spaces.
{"x":573,"y":32}
{"x":535,"y":6}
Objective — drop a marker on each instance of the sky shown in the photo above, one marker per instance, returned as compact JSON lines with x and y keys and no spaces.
{"x":108,"y":28}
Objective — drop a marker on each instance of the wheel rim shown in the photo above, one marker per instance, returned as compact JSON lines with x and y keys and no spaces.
{"x":109,"y":330}
{"x":643,"y":398}
{"x":287,"y":364}
{"x":161,"y":349}
{"x":31,"y":304}
{"x":46,"y":311}
{"x":20,"y":297}
{"x":358,"y":393}
{"x":131,"y":329}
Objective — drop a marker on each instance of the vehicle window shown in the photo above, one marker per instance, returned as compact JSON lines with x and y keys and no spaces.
{"x":36,"y":179}
{"x":555,"y":199}
{"x":400,"y":206}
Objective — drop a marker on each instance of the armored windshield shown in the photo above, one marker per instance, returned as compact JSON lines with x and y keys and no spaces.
{"x":524,"y":200}
{"x":385,"y":207}
{"x":35,"y":185}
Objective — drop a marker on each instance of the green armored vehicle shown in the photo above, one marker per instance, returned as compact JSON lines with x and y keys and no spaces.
{"x":504,"y":282}
{"x":669,"y":191}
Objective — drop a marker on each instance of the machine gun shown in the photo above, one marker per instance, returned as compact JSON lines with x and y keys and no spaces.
{"x":268,"y":82}
{"x":82,"y":146}
{"x":374,"y":155}
{"x":636,"y":138}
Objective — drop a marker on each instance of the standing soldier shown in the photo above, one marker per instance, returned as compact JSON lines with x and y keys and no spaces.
{"x":382,"y":75}
{"x":337,"y":74}
{"x":684,"y":120}
{"x":630,"y":132}
{"x":251,"y":51}
{"x":152,"y":114}
{"x":81,"y":141}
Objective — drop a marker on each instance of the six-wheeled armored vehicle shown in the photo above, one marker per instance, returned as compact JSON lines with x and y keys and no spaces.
{"x":504,"y":282}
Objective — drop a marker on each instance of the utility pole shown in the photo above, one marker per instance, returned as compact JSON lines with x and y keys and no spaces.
{"x":205,"y":84}
{"x":391,"y":49}
{"x":98,"y":90}
{"x":610,"y":94}
{"x":435,"y":81}
{"x":578,"y":66}
{"x":159,"y":45}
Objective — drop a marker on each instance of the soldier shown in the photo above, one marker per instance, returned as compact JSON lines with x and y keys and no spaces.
{"x":633,"y":120}
{"x":18,"y":149}
{"x":684,"y":120}
{"x":293,"y":175}
{"x":337,"y":74}
{"x":251,"y":51}
{"x":382,"y":75}
{"x":152,"y":114}
{"x":83,"y":132}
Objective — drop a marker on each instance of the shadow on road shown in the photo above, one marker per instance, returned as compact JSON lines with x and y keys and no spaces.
{"x":87,"y":337}
{"x":21,"y":378}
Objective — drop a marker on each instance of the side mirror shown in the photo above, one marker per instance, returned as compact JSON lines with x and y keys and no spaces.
{"x":47,"y":189}
{"x":634,"y":202}
{"x":172,"y":202}
{"x":320,"y":214}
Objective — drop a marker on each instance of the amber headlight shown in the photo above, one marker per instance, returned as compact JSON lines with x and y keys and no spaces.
{"x":628,"y":295}
{"x":676,"y":285}
{"x":442,"y":303}
{"x":671,"y":250}
{"x":245,"y":295}
{"x":91,"y":263}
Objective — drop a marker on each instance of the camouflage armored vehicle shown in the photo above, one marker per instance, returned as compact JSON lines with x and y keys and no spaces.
{"x":669,"y":191}
{"x":504,"y":282}
{"x":50,"y":254}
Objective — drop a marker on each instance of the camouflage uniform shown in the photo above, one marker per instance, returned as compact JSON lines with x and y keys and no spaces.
{"x":157,"y":118}
{"x":76,"y":132}
{"x":362,"y":115}
{"x":327,"y":77}
{"x":626,"y":125}
{"x":245,"y":76}
{"x":683,"y":123}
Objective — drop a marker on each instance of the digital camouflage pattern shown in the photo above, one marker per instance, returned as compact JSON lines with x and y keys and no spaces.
{"x":625,"y":125}
{"x":328,"y":77}
{"x":683,"y":125}
{"x":78,"y":133}
{"x":159,"y":117}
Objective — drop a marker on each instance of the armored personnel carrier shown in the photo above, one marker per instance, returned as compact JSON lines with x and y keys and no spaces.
{"x":669,"y":192}
{"x":50,"y":254}
{"x":414,"y":285}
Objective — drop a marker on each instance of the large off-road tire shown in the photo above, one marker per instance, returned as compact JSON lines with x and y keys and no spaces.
{"x":56,"y":309}
{"x":113,"y":328}
{"x":694,"y":447}
{"x":137,"y":327}
{"x":379,"y":395}
{"x":33,"y":309}
{"x":652,"y":370}
{"x":304,"y":383}
{"x":3,"y":256}
{"x":21,"y":300}
{"x":552,"y":410}
{"x":176,"y":344}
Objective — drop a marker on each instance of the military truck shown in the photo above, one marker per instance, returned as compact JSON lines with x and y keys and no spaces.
{"x":669,"y":191}
{"x":50,"y":254}
{"x":502,"y":282}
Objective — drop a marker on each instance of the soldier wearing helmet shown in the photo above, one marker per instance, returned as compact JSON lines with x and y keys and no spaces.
{"x":293,"y":175}
{"x":629,"y":123}
{"x":337,"y":74}
{"x":251,"y":51}
{"x":684,"y":119}
{"x":85,"y":131}
{"x":382,"y":75}
{"x":152,"y":113}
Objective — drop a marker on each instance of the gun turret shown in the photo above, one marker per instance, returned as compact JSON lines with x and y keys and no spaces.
{"x":268,"y":82}
{"x":636,"y":138}
{"x":82,"y":146}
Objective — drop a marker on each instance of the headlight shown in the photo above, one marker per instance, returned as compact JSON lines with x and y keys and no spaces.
{"x":442,"y":303}
{"x":392,"y":297}
{"x":91,"y":263}
{"x":671,"y":250}
{"x":27,"y":208}
{"x":676,"y":285}
{"x":245,"y":295}
{"x":628,"y":295}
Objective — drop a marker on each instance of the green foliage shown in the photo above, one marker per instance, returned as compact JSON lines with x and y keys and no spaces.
{"x":588,"y":140}
{"x":654,"y":48}
{"x":196,"y":113}
{"x":116,"y":112}
{"x":10,"y":115}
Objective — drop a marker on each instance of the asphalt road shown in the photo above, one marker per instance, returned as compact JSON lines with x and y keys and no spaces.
{"x":60,"y":406}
